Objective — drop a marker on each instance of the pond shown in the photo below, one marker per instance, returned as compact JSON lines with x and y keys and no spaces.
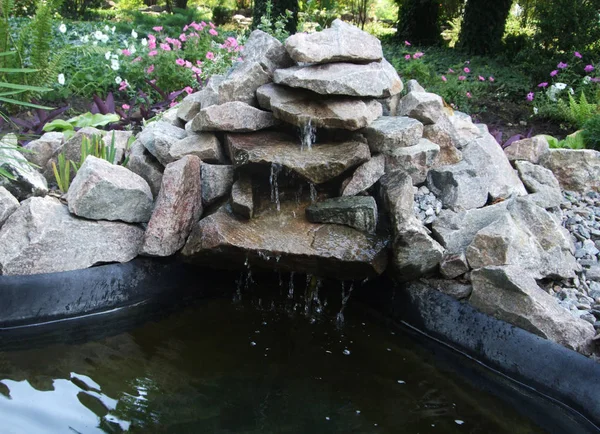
{"x":251,"y":363}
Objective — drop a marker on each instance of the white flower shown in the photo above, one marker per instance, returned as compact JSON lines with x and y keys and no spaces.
{"x":132,"y":49}
{"x":144,"y":42}
{"x":571,"y":91}
{"x":85,"y":39}
{"x":587,"y":79}
{"x":104,"y":38}
{"x":95,"y":42}
{"x":114,"y":56}
{"x":107,"y":55}
{"x":98,"y":34}
{"x":106,"y":28}
{"x":62,"y":28}
{"x":134,"y":33}
{"x":112,"y":30}
{"x":560,"y":86}
{"x":535,"y":110}
{"x":118,"y":79}
{"x":61,"y":79}
{"x":114,"y":65}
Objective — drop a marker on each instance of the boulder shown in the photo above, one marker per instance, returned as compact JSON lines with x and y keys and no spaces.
{"x":44,"y":148}
{"x":41,"y":236}
{"x":512,"y":295}
{"x":205,"y":97}
{"x":543,"y":187}
{"x":359,"y":212}
{"x":453,"y":265}
{"x":237,"y":117}
{"x":458,"y":186}
{"x":456,"y":290}
{"x":8,"y":205}
{"x":145,"y":165}
{"x":365,"y":176}
{"x":414,"y":86}
{"x":278,"y":94}
{"x":322,"y":163}
{"x":390,"y":105}
{"x":343,"y":79}
{"x":205,"y":146}
{"x":445,"y":135}
{"x":188,"y":109}
{"x":285,"y":241}
{"x":241,"y":83}
{"x":340,"y":43}
{"x":159,"y":137}
{"x":576,"y":169}
{"x":397,"y":195}
{"x":387,"y":133}
{"x":216,"y":182}
{"x":26,"y":181}
{"x":267,"y":50}
{"x":170,"y":116}
{"x":414,"y":160}
{"x":465,"y":129}
{"x":104,"y":191}
{"x":120,"y":139}
{"x":242,"y":198}
{"x":178,"y":207}
{"x":530,"y":149}
{"x":425,"y":107}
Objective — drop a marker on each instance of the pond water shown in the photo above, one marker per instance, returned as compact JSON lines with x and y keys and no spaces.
{"x":242,"y":364}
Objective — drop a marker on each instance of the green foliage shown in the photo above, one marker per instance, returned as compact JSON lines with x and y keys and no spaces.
{"x":418,"y":21}
{"x":62,"y":173}
{"x":313,"y":11}
{"x":591,"y":132}
{"x":277,"y":18}
{"x":580,"y":112}
{"x":78,"y":9}
{"x":451,"y":34}
{"x":277,"y":28}
{"x":573,"y":141}
{"x":221,"y":15}
{"x":483,"y":25}
{"x":84,"y":120}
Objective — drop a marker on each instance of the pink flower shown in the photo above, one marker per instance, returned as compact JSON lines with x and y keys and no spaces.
{"x":481,"y":78}
{"x":469,"y":95}
{"x":491,"y":79}
{"x":595,"y":79}
{"x":588,"y":68}
{"x":152,"y":53}
{"x":530,"y":96}
{"x":210,"y":55}
{"x":212,"y":26}
{"x":444,"y":78}
{"x":150,"y":69}
{"x":554,"y":73}
{"x":544,"y":84}
{"x":417,"y":55}
{"x":577,"y":54}
{"x":407,"y":57}
{"x":408,"y":44}
{"x":185,"y":28}
{"x":213,"y":32}
{"x":467,"y":70}
{"x":151,"y":45}
{"x":195,"y":26}
{"x":462,"y":77}
{"x":182,"y":37}
{"x":450,"y":71}
{"x":199,"y":62}
{"x":153,"y":81}
{"x":180,"y":62}
{"x":157,"y":29}
{"x":165,"y":46}
{"x":173,"y":104}
{"x":152,"y":38}
{"x":188,"y":64}
{"x":467,"y":62}
{"x":123,"y":85}
{"x":137,"y":59}
{"x":126,"y":106}
{"x":196,"y":70}
{"x":188,"y":90}
{"x":561,"y":65}
{"x":126,"y":52}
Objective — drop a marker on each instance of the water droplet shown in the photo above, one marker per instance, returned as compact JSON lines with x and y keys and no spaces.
{"x":389,"y":349}
{"x":346,"y":352}
{"x":326,"y":417}
{"x":459,"y":422}
{"x":253,"y":344}
{"x":401,"y":382}
{"x":357,"y":411}
{"x":328,"y":352}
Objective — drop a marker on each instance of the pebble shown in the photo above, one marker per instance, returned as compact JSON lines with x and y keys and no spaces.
{"x":427,"y":206}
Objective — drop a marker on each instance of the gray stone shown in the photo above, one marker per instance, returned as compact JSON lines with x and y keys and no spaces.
{"x":178,"y":208}
{"x":414,"y":86}
{"x":458,"y":186}
{"x":388,"y":133}
{"x":43,"y":148}
{"x":170,"y":116}
{"x":457,"y":290}
{"x":121,"y":143}
{"x":365,"y":176}
{"x":543,"y":187}
{"x":159,"y":137}
{"x":267,"y":50}
{"x":422,"y":106}
{"x":144,"y":164}
{"x":445,"y":135}
{"x":343,"y":79}
{"x":359,"y":212}
{"x":205,"y":146}
{"x":241,"y":84}
{"x":414,"y":160}
{"x":466,"y":130}
{"x":205,"y":97}
{"x":340,"y":43}
{"x":397,"y":195}
{"x":512,"y":295}
{"x":104,"y":191}
{"x":8,"y":205}
{"x":322,"y":163}
{"x":530,"y":149}
{"x":26,"y":180}
{"x":576,"y":169}
{"x":285,"y":241}
{"x":278,"y":94}
{"x":43,"y":237}
{"x":242,"y":197}
{"x":188,"y":109}
{"x":390,"y":105}
{"x":216,"y":182}
{"x":453,"y":265}
{"x":236,"y":116}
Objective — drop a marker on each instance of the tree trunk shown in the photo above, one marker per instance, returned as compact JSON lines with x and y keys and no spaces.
{"x":483,"y":25}
{"x":279,"y":8}
{"x":418,"y":22}
{"x":181,"y":4}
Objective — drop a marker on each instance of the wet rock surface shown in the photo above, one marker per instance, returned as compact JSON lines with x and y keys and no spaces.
{"x":357,"y":212}
{"x":26,"y":180}
{"x":233,"y":116}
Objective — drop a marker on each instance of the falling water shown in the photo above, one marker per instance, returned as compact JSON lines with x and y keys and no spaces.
{"x":308,"y":135}
{"x":312,"y":302}
{"x":244,"y":281}
{"x":313,"y":192}
{"x":345,"y":297}
{"x":275,"y":170}
{"x":291,"y":287}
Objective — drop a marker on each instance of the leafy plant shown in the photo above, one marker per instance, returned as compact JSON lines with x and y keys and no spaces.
{"x":591,"y":132}
{"x":88,"y":119}
{"x":572,"y":141}
{"x":62,"y":173}
{"x":275,"y":26}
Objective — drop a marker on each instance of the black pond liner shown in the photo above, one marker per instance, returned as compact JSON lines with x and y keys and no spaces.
{"x":557,"y":388}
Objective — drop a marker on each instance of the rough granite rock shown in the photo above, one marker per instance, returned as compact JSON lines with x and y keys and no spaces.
{"x":576,"y":169}
{"x":205,"y":97}
{"x":144,"y":164}
{"x":365,"y":176}
{"x":44,"y":147}
{"x":242,"y":198}
{"x":322,"y":163}
{"x":425,"y":107}
{"x":216,"y":182}
{"x":236,"y":117}
{"x":121,"y":139}
{"x":159,"y":137}
{"x":530,"y":149}
{"x":453,"y":265}
{"x":512,"y":295}
{"x":414,"y":86}
{"x":205,"y":146}
{"x":241,"y":84}
{"x":457,"y":290}
{"x":267,"y":50}
{"x":41,"y":236}
{"x":445,"y":135}
{"x":104,"y":191}
{"x":542,"y":185}
{"x":458,"y":186}
{"x":343,"y":79}
{"x":397,"y":195}
{"x":415,"y":160}
{"x":27,"y":181}
{"x":388,"y":133}
{"x":340,"y":43}
{"x":170,"y":116}
{"x":178,"y":208}
{"x":358,"y":212}
{"x":8,"y":205}
{"x":464,"y":127}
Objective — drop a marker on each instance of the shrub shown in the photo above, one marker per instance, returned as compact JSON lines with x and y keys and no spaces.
{"x":591,"y":133}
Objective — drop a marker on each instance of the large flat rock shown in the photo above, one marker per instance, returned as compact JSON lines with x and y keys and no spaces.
{"x":575,"y":169}
{"x":376,"y":79}
{"x":285,"y":241}
{"x":317,"y":165}
{"x":26,"y":181}
{"x":232,"y":116}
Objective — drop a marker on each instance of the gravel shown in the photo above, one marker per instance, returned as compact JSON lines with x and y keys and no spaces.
{"x":427,"y":206}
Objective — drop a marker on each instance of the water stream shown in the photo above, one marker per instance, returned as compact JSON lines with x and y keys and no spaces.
{"x":308,"y":135}
{"x":273,"y":181}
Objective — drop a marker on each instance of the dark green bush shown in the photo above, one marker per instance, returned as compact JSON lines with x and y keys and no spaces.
{"x":591,"y":133}
{"x":221,"y":15}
